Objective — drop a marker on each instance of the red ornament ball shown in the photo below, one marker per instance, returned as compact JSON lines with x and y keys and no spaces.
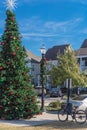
{"x":30,"y":110}
{"x":8,"y":63}
{"x":1,"y":67}
{"x":7,"y":88}
{"x":2,"y":43}
{"x":17,"y":48}
{"x":11,"y":37}
{"x":25,"y":98}
{"x":13,"y":53}
{"x":1,"y":106}
{"x":12,"y":19}
{"x":33,"y":100}
{"x":11,"y":93}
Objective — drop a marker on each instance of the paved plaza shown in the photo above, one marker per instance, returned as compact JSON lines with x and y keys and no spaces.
{"x":45,"y":117}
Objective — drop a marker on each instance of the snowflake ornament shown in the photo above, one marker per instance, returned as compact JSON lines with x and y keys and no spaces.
{"x":10,"y":4}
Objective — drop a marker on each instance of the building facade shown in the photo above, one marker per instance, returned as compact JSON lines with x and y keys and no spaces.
{"x":51,"y":57}
{"x":81,"y":55}
{"x":35,"y":68}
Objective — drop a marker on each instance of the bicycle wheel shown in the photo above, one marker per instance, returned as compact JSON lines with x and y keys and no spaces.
{"x":62,"y":115}
{"x":80,"y":117}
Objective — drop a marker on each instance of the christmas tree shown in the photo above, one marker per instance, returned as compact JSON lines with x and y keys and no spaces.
{"x":17,"y":97}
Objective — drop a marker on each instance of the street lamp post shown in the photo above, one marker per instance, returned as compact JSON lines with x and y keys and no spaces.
{"x":43,"y":76}
{"x":69,"y":85}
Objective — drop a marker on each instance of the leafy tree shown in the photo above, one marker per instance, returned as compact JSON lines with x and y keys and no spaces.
{"x":67,"y":67}
{"x":17,"y":97}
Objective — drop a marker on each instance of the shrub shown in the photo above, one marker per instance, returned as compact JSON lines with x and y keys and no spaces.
{"x":54,"y":105}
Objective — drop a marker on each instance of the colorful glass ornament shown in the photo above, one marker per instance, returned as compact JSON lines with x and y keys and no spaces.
{"x":1,"y":106}
{"x":11,"y":37}
{"x":1,"y":67}
{"x":13,"y":53}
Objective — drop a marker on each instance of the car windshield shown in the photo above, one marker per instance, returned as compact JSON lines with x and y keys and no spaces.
{"x":54,"y":89}
{"x":79,"y":98}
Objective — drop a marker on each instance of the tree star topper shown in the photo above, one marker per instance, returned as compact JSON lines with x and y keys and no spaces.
{"x":11,"y":4}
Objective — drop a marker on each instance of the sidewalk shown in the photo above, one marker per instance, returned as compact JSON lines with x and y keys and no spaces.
{"x":36,"y":120}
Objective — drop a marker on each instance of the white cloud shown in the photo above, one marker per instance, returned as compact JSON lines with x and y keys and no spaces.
{"x":64,"y":25}
{"x":38,"y":35}
{"x":51,"y":33}
{"x":33,"y":23}
{"x":35,"y":27}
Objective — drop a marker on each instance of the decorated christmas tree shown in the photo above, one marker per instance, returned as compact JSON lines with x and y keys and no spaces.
{"x":17,"y":97}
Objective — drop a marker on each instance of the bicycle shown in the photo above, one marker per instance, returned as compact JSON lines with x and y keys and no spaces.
{"x":78,"y":115}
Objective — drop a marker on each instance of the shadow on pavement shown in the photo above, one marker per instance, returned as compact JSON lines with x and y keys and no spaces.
{"x":68,"y":125}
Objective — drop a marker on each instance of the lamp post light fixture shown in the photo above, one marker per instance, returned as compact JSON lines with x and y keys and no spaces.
{"x":43,"y":75}
{"x":43,"y":50}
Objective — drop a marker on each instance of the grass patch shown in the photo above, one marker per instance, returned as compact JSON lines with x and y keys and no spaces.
{"x":54,"y":106}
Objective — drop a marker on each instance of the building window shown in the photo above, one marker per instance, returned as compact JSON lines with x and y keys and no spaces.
{"x":78,"y":60}
{"x":86,"y":63}
{"x":32,"y":67}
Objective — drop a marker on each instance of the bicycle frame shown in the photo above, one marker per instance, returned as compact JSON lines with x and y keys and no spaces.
{"x":79,"y":116}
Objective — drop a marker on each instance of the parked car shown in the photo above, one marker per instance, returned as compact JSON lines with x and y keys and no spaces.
{"x":79,"y":90}
{"x":55,"y":92}
{"x":80,"y":102}
{"x":83,"y":90}
{"x":38,"y":90}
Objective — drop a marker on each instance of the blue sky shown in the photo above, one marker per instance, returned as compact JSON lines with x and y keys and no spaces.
{"x":49,"y":22}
